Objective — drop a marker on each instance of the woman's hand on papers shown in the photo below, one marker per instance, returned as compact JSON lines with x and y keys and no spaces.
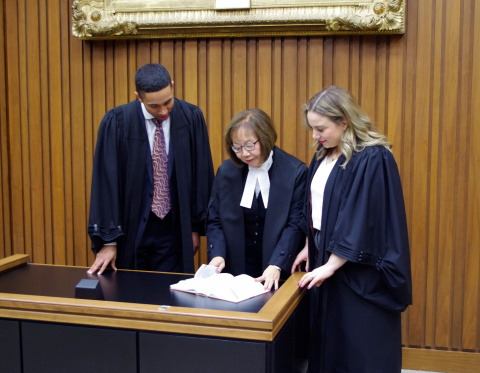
{"x":219,"y":262}
{"x":271,"y":276}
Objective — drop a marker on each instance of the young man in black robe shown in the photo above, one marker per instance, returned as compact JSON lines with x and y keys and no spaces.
{"x":124,"y":230}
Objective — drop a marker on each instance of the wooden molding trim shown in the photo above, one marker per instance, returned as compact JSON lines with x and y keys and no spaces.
{"x":440,"y":360}
{"x":13,"y":261}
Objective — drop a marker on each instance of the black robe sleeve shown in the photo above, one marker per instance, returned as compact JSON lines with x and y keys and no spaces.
{"x":217,"y":244}
{"x":371,"y":231}
{"x":203,"y":173}
{"x":292,"y":238}
{"x":105,"y":224}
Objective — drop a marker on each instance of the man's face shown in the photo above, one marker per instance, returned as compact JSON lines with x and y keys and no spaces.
{"x":160,"y":103}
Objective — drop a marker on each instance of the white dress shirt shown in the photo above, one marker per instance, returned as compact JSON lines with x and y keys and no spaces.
{"x":151,"y":128}
{"x":317,"y":189}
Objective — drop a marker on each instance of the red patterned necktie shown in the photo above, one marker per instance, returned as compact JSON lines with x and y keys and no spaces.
{"x":161,"y":193}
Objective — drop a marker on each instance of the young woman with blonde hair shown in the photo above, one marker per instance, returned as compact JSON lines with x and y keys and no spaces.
{"x":357,"y":247}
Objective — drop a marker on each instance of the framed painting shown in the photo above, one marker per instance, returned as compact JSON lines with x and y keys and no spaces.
{"x":137,"y":19}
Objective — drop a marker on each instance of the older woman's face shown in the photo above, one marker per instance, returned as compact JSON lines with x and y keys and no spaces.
{"x":242,"y":137}
{"x":325,"y":131}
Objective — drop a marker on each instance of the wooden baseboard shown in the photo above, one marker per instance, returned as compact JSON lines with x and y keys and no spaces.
{"x":441,"y":361}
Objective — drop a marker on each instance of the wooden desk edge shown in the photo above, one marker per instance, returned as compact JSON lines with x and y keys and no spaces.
{"x":263,"y":325}
{"x":279,"y":310}
{"x":13,"y":261}
{"x":145,"y":317}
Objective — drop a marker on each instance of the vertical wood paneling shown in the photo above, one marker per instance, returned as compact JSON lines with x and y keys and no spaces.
{"x":202,"y":256}
{"x":461,"y":166}
{"x":46,"y":217}
{"x":202,"y":74}
{"x":81,"y":242}
{"x":120,"y":72}
{"x":13,"y":127}
{"x":381,"y":85}
{"x":355,"y":75}
{"x":366,"y":96}
{"x":421,"y":89}
{"x":142,"y":51}
{"x":328,"y":63}
{"x":227,"y":92}
{"x":215,"y":100}
{"x":432,"y":267}
{"x":420,"y":166}
{"x":252,"y":74}
{"x":239,"y":77}
{"x":277,"y":73}
{"x":301,"y":150}
{"x":178,"y":66}
{"x":288,"y":138}
{"x":35,"y":135}
{"x":109,"y":69}
{"x":80,"y":84}
{"x":315,"y":82}
{"x":132,"y":66}
{"x":341,"y":69}
{"x":471,"y":313}
{"x":265,"y":76}
{"x":66,"y":198}
{"x":5,"y":241}
{"x":56,"y":105}
{"x":190,"y":72}
{"x":24,"y":127}
{"x":446,"y":176}
{"x":167,"y":57}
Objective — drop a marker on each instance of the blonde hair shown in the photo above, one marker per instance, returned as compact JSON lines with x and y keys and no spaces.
{"x":339,"y":106}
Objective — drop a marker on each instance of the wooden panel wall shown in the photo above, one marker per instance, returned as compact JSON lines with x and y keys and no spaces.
{"x":422,"y":89}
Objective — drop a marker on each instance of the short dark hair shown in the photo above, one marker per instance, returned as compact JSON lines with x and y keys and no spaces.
{"x":260,"y":123}
{"x":151,"y":77}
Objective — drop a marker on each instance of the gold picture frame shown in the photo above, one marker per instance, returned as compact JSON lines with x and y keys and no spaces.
{"x":139,"y":19}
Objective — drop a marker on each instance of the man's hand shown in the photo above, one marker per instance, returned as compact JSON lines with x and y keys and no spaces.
{"x":196,"y":242}
{"x":107,"y":255}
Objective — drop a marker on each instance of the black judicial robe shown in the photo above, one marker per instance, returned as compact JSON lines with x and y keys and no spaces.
{"x":282,"y":236}
{"x":122,"y":180}
{"x":356,"y":313}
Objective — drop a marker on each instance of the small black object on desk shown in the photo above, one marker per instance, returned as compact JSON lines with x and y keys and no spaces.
{"x":89,"y":289}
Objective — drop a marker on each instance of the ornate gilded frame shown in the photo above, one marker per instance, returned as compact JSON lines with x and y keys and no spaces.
{"x":138,"y":19}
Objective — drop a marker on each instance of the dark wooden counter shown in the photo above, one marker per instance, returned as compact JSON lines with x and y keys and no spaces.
{"x":40,"y":299}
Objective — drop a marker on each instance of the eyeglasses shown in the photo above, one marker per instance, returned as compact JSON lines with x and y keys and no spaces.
{"x":248,"y":146}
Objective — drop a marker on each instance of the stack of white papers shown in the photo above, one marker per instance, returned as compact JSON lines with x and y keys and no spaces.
{"x":207,"y":282}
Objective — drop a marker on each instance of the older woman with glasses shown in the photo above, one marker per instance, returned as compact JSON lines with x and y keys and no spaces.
{"x":256,"y":203}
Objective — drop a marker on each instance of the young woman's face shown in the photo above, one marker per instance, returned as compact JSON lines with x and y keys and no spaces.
{"x":242,"y":137}
{"x":325,"y":131}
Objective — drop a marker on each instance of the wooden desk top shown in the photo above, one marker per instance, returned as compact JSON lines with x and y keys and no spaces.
{"x":134,"y":300}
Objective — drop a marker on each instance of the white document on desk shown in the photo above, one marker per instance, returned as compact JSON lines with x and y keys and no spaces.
{"x":224,"y":286}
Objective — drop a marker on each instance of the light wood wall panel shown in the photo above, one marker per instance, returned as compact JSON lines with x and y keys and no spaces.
{"x":5,"y":213}
{"x":422,"y":89}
